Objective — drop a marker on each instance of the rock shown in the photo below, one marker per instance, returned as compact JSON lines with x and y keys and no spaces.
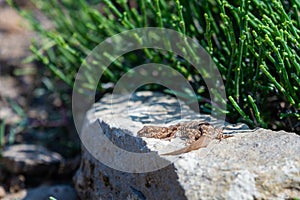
{"x":30,"y":160}
{"x":16,"y":183}
{"x":64,"y":192}
{"x":16,"y":196}
{"x":254,"y":164}
{"x":2,"y":192}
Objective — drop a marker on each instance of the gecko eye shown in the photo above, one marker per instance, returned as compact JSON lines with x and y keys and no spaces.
{"x":197,"y":137}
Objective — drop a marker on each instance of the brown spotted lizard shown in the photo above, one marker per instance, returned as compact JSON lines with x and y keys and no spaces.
{"x":198,"y":133}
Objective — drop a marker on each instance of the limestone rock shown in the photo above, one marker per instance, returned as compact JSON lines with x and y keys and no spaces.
{"x":116,"y":164}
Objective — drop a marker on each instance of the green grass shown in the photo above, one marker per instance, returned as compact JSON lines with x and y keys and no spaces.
{"x":255,"y":45}
{"x":2,"y":133}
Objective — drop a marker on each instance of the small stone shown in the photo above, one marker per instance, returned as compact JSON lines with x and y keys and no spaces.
{"x":16,"y":183}
{"x":30,"y":160}
{"x":2,"y":192}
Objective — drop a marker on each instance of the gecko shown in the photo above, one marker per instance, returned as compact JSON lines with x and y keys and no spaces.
{"x":198,"y":134}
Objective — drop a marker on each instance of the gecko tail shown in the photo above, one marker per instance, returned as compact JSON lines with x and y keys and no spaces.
{"x":201,"y":143}
{"x":177,"y":152}
{"x":181,"y":151}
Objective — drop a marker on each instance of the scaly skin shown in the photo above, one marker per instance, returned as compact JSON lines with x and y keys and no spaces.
{"x":199,"y":134}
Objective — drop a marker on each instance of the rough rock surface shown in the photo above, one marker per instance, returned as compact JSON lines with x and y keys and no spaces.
{"x":254,"y":164}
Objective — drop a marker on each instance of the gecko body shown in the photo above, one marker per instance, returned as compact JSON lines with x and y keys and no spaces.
{"x":198,"y":134}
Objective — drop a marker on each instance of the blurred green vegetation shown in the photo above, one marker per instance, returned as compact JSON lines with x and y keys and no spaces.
{"x":255,"y":45}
